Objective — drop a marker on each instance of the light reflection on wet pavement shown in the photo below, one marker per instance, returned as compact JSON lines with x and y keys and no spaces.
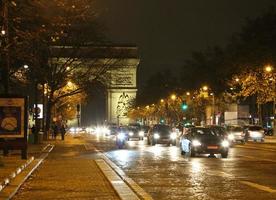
{"x":165,"y":174}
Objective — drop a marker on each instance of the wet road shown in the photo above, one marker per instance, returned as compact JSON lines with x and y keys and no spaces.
{"x":248,"y":173}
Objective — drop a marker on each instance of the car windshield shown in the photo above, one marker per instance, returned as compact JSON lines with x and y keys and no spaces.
{"x":163,"y":129}
{"x":255,"y":128}
{"x":205,"y":132}
{"x":236,"y":129}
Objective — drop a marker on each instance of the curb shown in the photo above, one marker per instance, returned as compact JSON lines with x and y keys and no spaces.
{"x":121,"y":188}
{"x":15,"y":173}
{"x":140,"y":192}
{"x":39,"y":161}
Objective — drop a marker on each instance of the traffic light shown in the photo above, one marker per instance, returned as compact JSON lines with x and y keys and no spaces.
{"x":184,"y":106}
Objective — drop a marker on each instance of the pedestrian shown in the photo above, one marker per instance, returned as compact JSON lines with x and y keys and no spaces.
{"x":55,"y":129}
{"x":62,"y":131}
{"x":33,"y":129}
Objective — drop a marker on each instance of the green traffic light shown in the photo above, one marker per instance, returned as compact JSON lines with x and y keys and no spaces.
{"x":184,"y":106}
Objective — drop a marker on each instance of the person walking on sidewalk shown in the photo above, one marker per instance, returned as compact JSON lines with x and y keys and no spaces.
{"x":55,"y":129}
{"x":62,"y":131}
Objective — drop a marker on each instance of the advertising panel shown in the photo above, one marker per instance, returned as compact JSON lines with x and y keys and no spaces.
{"x":12,"y":117}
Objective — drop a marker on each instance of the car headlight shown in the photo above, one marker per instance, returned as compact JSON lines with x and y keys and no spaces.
{"x":121,"y":136}
{"x":231,"y":137}
{"x":156,"y":136}
{"x":141,"y":133}
{"x":131,"y":133}
{"x":225,"y":143}
{"x":98,"y":130}
{"x":173,"y":136}
{"x":196,"y":143}
{"x":72,"y":129}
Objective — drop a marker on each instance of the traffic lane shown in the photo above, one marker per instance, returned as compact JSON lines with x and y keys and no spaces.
{"x":165,"y":174}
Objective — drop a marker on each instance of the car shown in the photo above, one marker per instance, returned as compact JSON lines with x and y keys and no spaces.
{"x":161,"y":134}
{"x":135,"y":132}
{"x":203,"y":140}
{"x":236,"y":133}
{"x":268,"y":130}
{"x":254,"y":133}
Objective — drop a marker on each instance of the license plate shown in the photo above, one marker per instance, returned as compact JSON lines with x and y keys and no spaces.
{"x":165,"y":140}
{"x":212,"y":147}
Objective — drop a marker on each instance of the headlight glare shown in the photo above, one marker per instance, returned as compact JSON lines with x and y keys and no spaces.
{"x":231,"y":137}
{"x":225,"y":143}
{"x":121,"y":136}
{"x":141,"y":133}
{"x":156,"y":136}
{"x":196,"y":143}
{"x":173,"y":136}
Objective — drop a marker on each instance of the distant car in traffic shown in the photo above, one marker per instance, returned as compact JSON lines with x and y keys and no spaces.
{"x":236,"y":133}
{"x":135,"y":133}
{"x":268,"y":130}
{"x":202,"y":140}
{"x":254,"y":133}
{"x":161,"y":134}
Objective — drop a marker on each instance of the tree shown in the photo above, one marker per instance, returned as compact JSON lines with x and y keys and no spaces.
{"x":51,"y":37}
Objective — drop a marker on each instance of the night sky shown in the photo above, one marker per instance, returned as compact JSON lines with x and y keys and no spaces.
{"x":168,"y":31}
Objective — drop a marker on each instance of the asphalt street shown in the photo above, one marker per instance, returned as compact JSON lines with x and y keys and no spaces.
{"x":248,"y":173}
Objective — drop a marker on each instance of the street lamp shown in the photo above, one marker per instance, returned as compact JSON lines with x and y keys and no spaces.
{"x":173,"y":97}
{"x":205,"y":88}
{"x":268,"y":68}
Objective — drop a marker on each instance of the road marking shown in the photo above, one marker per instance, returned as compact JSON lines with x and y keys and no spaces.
{"x":255,"y":148}
{"x":258,"y":186}
{"x":260,"y":159}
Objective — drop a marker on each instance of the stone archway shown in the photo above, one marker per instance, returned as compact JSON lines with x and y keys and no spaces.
{"x":120,"y":78}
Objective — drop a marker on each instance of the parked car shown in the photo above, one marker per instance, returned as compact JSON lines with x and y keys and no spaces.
{"x":254,"y":133}
{"x":236,"y":133}
{"x":202,"y":140}
{"x":161,"y":134}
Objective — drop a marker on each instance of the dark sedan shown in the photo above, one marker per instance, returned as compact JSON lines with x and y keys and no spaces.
{"x":201,"y":140}
{"x":161,"y":134}
{"x":135,"y":133}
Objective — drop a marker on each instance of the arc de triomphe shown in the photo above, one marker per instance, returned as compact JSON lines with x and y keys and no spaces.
{"x":120,"y":78}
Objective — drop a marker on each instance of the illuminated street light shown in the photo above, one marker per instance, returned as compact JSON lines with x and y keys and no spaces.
{"x":205,"y":88}
{"x":147,"y":107}
{"x":3,"y":32}
{"x":188,"y":93}
{"x":268,"y":68}
{"x":69,"y":83}
{"x":162,"y":100}
{"x":237,"y":79}
{"x":67,"y":68}
{"x":173,"y":97}
{"x":25,"y":66}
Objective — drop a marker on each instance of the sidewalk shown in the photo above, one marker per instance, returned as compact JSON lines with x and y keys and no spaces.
{"x":69,"y":172}
{"x":10,"y":163}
